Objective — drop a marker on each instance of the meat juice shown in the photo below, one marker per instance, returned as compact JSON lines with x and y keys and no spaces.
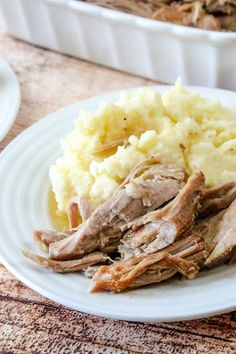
{"x":58,"y":221}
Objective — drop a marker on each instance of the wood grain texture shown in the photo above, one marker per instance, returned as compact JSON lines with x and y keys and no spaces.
{"x":50,"y":81}
{"x":30,"y":323}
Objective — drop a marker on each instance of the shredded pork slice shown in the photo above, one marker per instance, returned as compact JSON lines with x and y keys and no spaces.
{"x":158,"y":229}
{"x":217,"y":198}
{"x":45,"y":237}
{"x":184,"y":256}
{"x":75,"y":265}
{"x":224,"y":242}
{"x":78,"y":206}
{"x":208,"y":228}
{"x":147,"y":187}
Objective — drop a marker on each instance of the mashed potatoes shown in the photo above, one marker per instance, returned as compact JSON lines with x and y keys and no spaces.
{"x":178,"y":127}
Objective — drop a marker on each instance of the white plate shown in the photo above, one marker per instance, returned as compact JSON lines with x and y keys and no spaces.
{"x":9,"y":98}
{"x":24,"y":186}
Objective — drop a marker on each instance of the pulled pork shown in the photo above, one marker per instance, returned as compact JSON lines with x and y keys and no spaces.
{"x":67,"y":266}
{"x":184,"y":257}
{"x":148,"y":187}
{"x":213,"y":15}
{"x":155,"y":225}
{"x":158,"y":229}
{"x":224,"y":241}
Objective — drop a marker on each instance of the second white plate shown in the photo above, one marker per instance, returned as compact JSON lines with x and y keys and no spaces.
{"x":24,"y":207}
{"x":9,"y":98}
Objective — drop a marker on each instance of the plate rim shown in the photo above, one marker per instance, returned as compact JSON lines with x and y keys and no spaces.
{"x":66,"y":303}
{"x":14,"y":109}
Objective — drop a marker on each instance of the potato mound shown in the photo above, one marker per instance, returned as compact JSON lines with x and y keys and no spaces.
{"x":177,"y":126}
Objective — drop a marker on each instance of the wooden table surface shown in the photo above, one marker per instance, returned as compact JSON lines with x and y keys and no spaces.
{"x":30,"y":323}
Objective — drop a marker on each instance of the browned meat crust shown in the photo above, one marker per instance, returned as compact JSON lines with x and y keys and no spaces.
{"x":183,"y":256}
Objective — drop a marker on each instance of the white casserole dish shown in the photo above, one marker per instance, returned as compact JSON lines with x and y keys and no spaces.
{"x":152,"y":49}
